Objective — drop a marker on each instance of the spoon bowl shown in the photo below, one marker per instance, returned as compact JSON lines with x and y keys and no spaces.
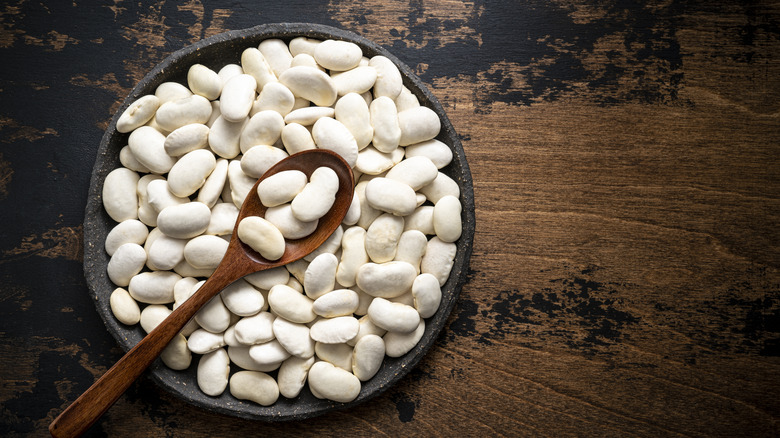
{"x":238,"y":261}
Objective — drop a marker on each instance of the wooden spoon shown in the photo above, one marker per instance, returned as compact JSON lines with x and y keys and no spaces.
{"x":239,"y":260}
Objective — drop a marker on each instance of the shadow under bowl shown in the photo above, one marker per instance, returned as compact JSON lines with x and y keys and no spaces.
{"x":215,"y":52}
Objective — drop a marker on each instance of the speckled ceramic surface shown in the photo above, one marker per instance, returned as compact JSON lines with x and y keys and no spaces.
{"x":215,"y":52}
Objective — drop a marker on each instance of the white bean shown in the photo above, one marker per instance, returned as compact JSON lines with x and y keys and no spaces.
{"x":329,"y":133}
{"x":213,"y":316}
{"x":176,"y":355}
{"x":418,"y":124}
{"x":186,"y":270}
{"x":320,"y":276}
{"x":203,"y":341}
{"x":138,"y":113}
{"x":120,"y":198}
{"x":153,"y":315}
{"x":205,"y":252}
{"x":357,"y":80}
{"x":391,"y":196}
{"x":421,"y":220}
{"x":212,"y":188}
{"x":388,"y":78}
{"x":297,"y":138}
{"x":240,"y":183}
{"x":353,"y":255}
{"x":305,"y":45}
{"x":367,"y":357}
{"x":352,"y":110}
{"x":436,"y":151}
{"x":337,"y":354}
{"x":442,"y":186}
{"x":411,"y":248}
{"x":183,"y":290}
{"x":127,"y":231}
{"x":185,"y":139}
{"x":308,"y":115}
{"x":223,"y":219}
{"x":446,"y":218}
{"x":166,"y":252}
{"x":310,"y":84}
{"x":382,"y":237}
{"x":367,"y":327}
{"x":393,"y":317}
{"x":333,"y":383}
{"x":384,"y":119}
{"x":283,"y":218}
{"x":427,"y":294}
{"x":269,"y":278}
{"x":372,"y":162}
{"x":317,"y":196}
{"x":277,"y":54}
{"x":294,"y":337}
{"x":334,"y":330}
{"x":397,"y":344}
{"x":213,"y":371}
{"x":256,"y":329}
{"x":127,"y":159}
{"x":262,"y":236}
{"x":367,"y":212}
{"x":168,"y":91}
{"x":190,"y":172}
{"x":386,"y":280}
{"x":230,"y":339}
{"x":255,"y":386}
{"x":242,"y":299}
{"x":268,"y":353}
{"x":338,"y":55}
{"x":153,"y":287}
{"x":416,"y":172}
{"x":292,"y":375}
{"x":406,"y":100}
{"x":353,"y":213}
{"x":238,"y":96}
{"x":225,"y":137}
{"x":365,"y":301}
{"x":184,"y":221}
{"x":177,"y":113}
{"x":276,"y":97}
{"x":204,"y":81}
{"x":159,"y":196}
{"x":291,"y":305}
{"x":263,"y":128}
{"x":254,"y":63}
{"x":124,"y":307}
{"x":228,"y":71}
{"x":239,"y":355}
{"x":258,"y":159}
{"x":340,"y":302}
{"x":438,"y":259}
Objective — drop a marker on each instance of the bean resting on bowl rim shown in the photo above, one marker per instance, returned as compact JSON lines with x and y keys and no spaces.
{"x":194,"y":152}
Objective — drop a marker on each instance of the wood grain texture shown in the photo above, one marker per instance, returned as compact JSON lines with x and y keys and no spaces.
{"x":624,"y":280}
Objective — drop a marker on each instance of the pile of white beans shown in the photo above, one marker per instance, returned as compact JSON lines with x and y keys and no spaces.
{"x":194,"y":152}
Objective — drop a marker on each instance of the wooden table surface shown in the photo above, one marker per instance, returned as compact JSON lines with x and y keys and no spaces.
{"x":624,"y":279}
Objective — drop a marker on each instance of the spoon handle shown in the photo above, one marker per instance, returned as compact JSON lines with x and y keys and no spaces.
{"x":95,"y":401}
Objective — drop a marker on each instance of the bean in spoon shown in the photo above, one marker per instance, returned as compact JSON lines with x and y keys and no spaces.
{"x":239,"y":260}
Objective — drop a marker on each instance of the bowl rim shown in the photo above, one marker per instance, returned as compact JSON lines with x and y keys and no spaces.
{"x":97,"y":223}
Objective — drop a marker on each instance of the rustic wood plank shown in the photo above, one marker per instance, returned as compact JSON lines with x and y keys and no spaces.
{"x":625,"y":276}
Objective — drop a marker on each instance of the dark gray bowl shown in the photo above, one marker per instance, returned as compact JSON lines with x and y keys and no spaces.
{"x":215,"y":52}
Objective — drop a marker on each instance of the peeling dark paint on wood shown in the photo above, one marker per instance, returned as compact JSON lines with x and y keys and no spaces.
{"x":625,"y":271}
